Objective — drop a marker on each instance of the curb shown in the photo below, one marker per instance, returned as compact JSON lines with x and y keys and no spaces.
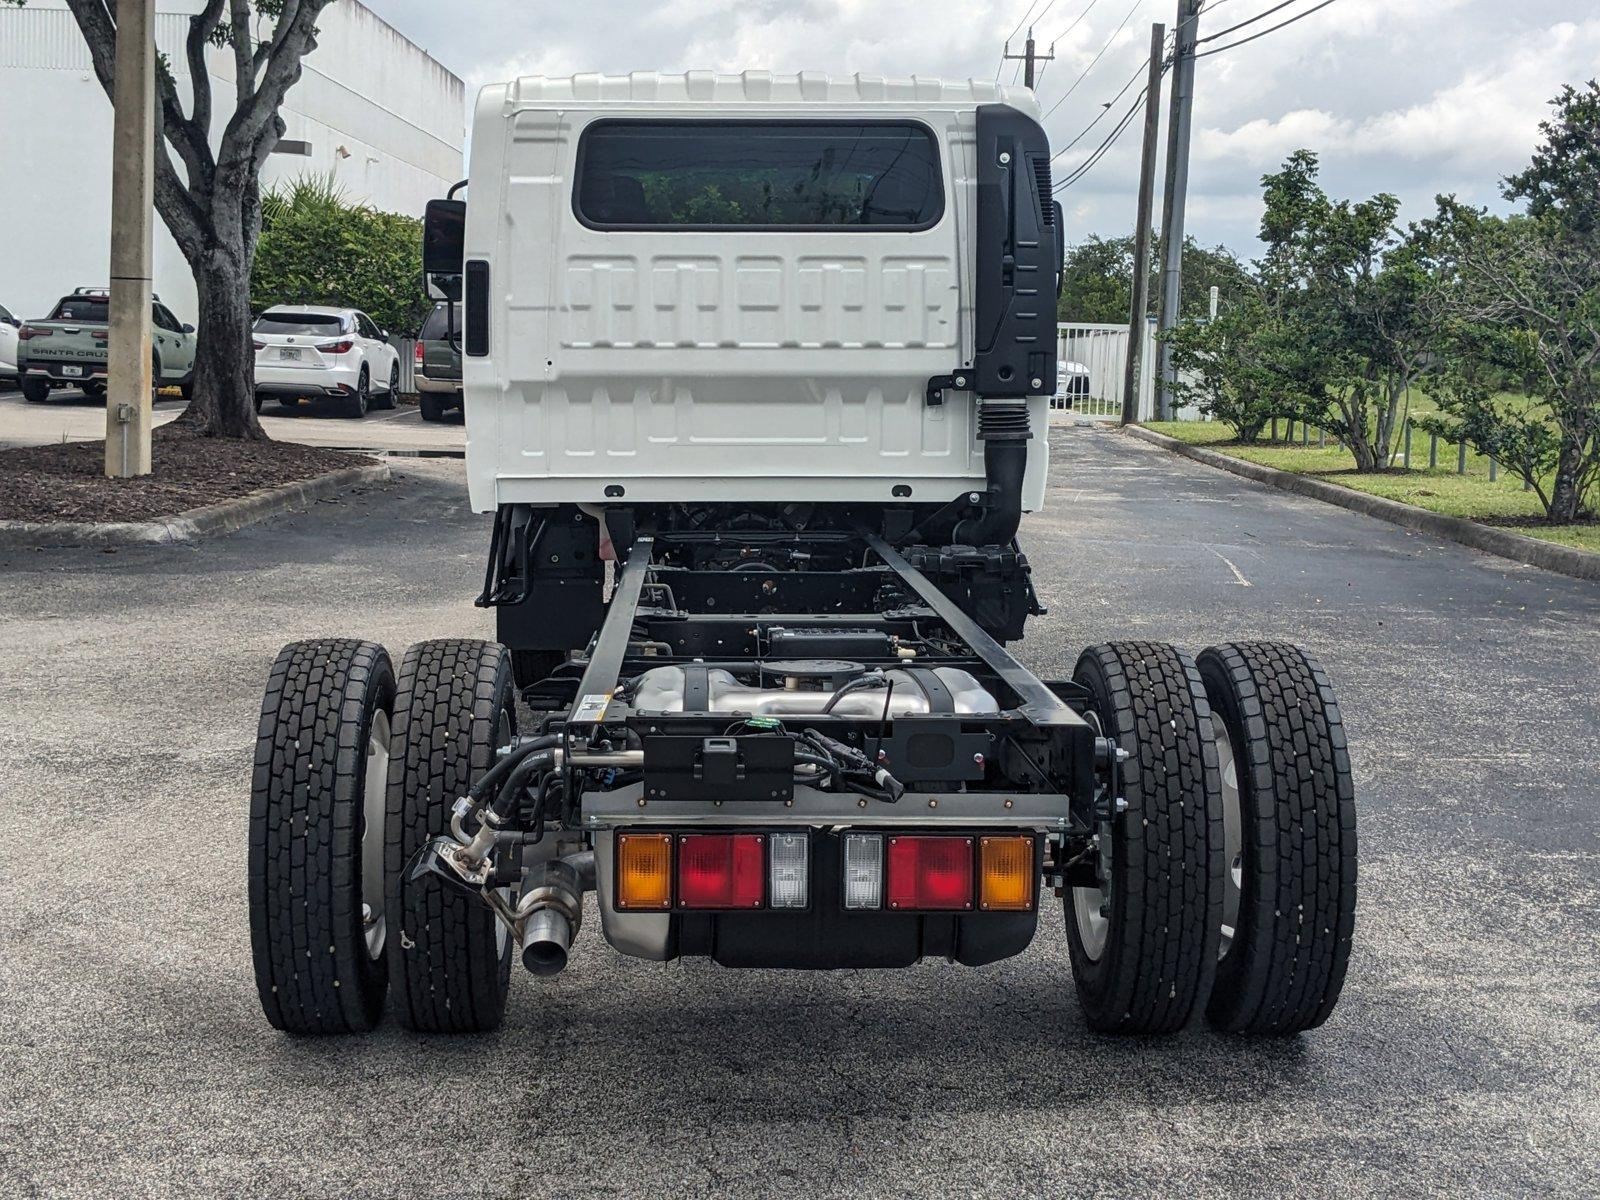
{"x":1564,"y":560}
{"x":226,"y":516}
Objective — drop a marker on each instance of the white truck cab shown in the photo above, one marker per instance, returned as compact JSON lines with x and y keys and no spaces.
{"x":709,"y":287}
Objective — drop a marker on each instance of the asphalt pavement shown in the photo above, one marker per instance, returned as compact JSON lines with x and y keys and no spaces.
{"x":69,"y":415}
{"x":1464,"y":1058}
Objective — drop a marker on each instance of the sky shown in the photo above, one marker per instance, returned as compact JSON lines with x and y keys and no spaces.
{"x":1414,"y":97}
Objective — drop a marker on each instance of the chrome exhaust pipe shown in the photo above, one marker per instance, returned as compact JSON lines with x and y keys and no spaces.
{"x":546,"y":941}
{"x":551,"y":911}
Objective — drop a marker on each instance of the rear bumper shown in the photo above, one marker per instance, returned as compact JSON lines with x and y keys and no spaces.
{"x":823,"y":935}
{"x":306,"y":381}
{"x":438,"y":387}
{"x":64,"y":372}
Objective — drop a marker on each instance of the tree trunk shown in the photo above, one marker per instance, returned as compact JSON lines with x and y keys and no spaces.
{"x":222,"y":400}
{"x":1564,"y":495}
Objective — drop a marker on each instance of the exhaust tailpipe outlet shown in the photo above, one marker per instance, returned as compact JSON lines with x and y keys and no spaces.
{"x":546,"y":941}
{"x":551,"y":911}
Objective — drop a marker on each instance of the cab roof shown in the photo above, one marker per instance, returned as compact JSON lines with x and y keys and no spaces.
{"x":712,"y":90}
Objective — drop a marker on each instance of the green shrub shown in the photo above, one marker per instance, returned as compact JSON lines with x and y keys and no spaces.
{"x":317,"y":248}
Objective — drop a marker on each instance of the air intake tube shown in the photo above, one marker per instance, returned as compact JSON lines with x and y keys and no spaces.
{"x":1004,"y":430}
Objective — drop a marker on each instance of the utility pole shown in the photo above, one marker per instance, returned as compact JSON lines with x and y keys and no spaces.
{"x":1177,"y":188}
{"x":1028,"y":58}
{"x":128,"y":380}
{"x":1137,"y":319}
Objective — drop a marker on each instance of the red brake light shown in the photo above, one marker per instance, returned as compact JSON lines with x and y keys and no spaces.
{"x":930,"y":872}
{"x":258,"y":345}
{"x":418,"y":354}
{"x":28,"y":331}
{"x":721,"y":870}
{"x":343,"y":347}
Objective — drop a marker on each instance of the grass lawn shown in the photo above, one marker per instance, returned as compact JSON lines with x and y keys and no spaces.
{"x":1441,"y":490}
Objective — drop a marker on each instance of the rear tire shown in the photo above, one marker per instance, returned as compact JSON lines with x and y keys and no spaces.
{"x":1284,"y":959}
{"x":35,"y":391}
{"x":357,"y":403}
{"x":388,"y":397}
{"x":316,"y":911}
{"x":450,"y":958}
{"x":1144,"y":964}
{"x":432,"y":410}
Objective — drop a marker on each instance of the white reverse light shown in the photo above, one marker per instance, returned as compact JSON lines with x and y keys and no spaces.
{"x":788,"y":855}
{"x":863,"y":870}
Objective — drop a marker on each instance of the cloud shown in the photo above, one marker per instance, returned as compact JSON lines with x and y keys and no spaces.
{"x":1407,"y":96}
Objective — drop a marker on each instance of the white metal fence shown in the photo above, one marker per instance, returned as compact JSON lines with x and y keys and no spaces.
{"x":1102,"y":351}
{"x":408,"y":361}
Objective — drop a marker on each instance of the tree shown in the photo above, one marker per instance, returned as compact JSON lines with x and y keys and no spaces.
{"x":317,"y":248}
{"x":212,"y":206}
{"x":1098,"y":282}
{"x":1527,"y":290}
{"x":1241,"y":368}
{"x":1363,"y":295}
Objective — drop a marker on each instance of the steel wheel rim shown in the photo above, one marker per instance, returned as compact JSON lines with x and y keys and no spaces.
{"x":1093,"y":927}
{"x":1232,"y":834}
{"x":374,"y":803}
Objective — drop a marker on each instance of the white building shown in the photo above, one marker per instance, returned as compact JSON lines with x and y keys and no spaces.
{"x":371,"y":107}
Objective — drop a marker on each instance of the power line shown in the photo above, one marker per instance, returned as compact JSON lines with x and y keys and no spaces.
{"x":1104,"y":147}
{"x":1260,"y":16}
{"x":1077,"y":22}
{"x":1026,"y":13}
{"x":1104,"y":109}
{"x":1084,"y":74}
{"x":1264,"y":32}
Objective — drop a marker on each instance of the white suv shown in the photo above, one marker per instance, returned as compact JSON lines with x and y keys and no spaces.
{"x":310,"y":350}
{"x":8,"y":345}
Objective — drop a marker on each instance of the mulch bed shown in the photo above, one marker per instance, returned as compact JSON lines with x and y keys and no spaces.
{"x":68,"y":482}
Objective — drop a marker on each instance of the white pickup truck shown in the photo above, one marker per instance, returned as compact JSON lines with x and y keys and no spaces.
{"x":757,"y":372}
{"x":67,"y":349}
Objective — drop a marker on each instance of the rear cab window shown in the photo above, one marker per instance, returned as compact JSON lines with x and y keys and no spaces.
{"x":434,"y":328}
{"x":91,"y":310}
{"x":758,"y":175}
{"x":313,"y":324}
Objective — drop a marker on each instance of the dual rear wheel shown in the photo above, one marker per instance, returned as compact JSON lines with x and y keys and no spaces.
{"x":1225,"y":882}
{"x":355,"y":770}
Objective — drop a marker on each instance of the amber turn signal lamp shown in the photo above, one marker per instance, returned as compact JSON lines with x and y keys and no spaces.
{"x":644,"y":871}
{"x":1006,"y":871}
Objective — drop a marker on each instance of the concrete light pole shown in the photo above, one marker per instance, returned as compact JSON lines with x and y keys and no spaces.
{"x":1141,"y":231}
{"x":128,"y":379}
{"x":1177,"y":190}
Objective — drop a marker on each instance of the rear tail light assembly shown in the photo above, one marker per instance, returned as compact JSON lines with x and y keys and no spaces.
{"x":1006,"y":874}
{"x":731,"y":872}
{"x":340,"y":347}
{"x":788,"y":870}
{"x":259,"y":345}
{"x":929,"y":873}
{"x":863,"y":870}
{"x":417,"y":354}
{"x":721,"y":870}
{"x":28,"y":332}
{"x":644,"y":872}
